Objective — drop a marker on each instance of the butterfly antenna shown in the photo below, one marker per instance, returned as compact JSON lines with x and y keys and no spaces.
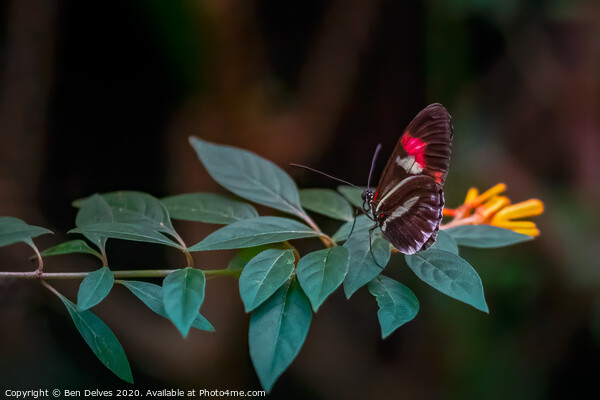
{"x":323,"y":173}
{"x":373,"y":164}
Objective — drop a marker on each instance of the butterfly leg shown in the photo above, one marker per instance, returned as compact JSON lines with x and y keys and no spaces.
{"x":371,"y":246}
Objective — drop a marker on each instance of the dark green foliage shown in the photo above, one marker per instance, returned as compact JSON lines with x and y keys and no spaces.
{"x":450,"y":274}
{"x":368,"y":257}
{"x":183,"y":294}
{"x":486,"y":236}
{"x":397,"y":303}
{"x":277,"y":331}
{"x":152,"y":296}
{"x":208,"y":207}
{"x":321,"y":272}
{"x":14,"y":230}
{"x":278,"y":286}
{"x":101,"y":340}
{"x":70,"y":247}
{"x":94,"y":288}
{"x":263,"y":275}
{"x":326,"y":202}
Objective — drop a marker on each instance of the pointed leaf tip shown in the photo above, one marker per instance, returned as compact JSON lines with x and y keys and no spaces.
{"x":152,"y":296}
{"x":14,"y":230}
{"x":321,"y":272}
{"x":101,"y":340}
{"x":249,"y":176}
{"x":397,"y":303}
{"x":277,"y":332}
{"x":450,"y":274}
{"x":263,"y":275}
{"x":183,"y":294}
{"x":94,"y":288}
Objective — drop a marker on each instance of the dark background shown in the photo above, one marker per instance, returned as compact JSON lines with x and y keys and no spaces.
{"x":102,"y":96}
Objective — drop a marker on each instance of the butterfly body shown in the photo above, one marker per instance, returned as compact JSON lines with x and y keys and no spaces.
{"x":408,"y":202}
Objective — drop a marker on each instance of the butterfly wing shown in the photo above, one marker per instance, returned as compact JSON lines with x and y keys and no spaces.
{"x":423,"y":148}
{"x":410,"y":214}
{"x":409,"y":200}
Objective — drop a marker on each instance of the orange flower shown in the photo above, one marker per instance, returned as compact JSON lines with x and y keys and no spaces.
{"x":491,"y":208}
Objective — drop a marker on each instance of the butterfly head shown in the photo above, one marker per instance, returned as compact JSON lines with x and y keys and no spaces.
{"x":367,"y":198}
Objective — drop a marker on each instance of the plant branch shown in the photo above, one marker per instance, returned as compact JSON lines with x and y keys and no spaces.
{"x":327,"y":241}
{"x":143,"y":273}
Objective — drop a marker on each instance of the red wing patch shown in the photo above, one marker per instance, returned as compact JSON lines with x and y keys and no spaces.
{"x":414,"y":147}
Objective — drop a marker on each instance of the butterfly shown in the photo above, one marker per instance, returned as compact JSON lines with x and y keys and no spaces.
{"x":408,"y":202}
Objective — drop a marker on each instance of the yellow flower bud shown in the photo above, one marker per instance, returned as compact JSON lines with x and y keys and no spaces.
{"x":524,"y":209}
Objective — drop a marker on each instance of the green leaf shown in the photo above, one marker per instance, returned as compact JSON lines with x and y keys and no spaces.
{"x":321,"y":272}
{"x":243,"y":256}
{"x":353,"y":194}
{"x":249,"y":176}
{"x":486,"y":236}
{"x":70,"y":247}
{"x":14,"y":230}
{"x":445,"y":242}
{"x":183,"y":294}
{"x":94,"y":210}
{"x":208,"y":207}
{"x":277,"y":331}
{"x":326,"y":202}
{"x":94,"y":288}
{"x":363,"y":223}
{"x":141,"y":211}
{"x":254,"y":232}
{"x":152,"y":296}
{"x":119,"y":230}
{"x":263,"y":275}
{"x":366,"y":262}
{"x":450,"y":274}
{"x":397,"y":303}
{"x":100,"y":339}
{"x":136,"y":208}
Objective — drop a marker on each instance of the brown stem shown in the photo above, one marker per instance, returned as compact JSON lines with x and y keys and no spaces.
{"x":144,"y":273}
{"x":327,"y":241}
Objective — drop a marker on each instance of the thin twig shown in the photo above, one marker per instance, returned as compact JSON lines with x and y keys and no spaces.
{"x":143,"y":273}
{"x":327,"y":241}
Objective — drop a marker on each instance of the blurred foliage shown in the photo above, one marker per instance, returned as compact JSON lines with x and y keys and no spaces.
{"x":137,"y":78}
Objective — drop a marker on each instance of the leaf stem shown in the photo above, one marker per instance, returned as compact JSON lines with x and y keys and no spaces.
{"x":287,"y":245}
{"x":103,"y":257}
{"x":50,"y":288}
{"x":142,"y":273}
{"x":188,"y":258}
{"x":327,"y":241}
{"x":40,"y":267}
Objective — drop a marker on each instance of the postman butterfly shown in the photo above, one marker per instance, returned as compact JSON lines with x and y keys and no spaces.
{"x":408,"y":202}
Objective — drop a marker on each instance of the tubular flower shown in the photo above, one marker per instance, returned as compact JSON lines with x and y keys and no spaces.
{"x":491,"y":208}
